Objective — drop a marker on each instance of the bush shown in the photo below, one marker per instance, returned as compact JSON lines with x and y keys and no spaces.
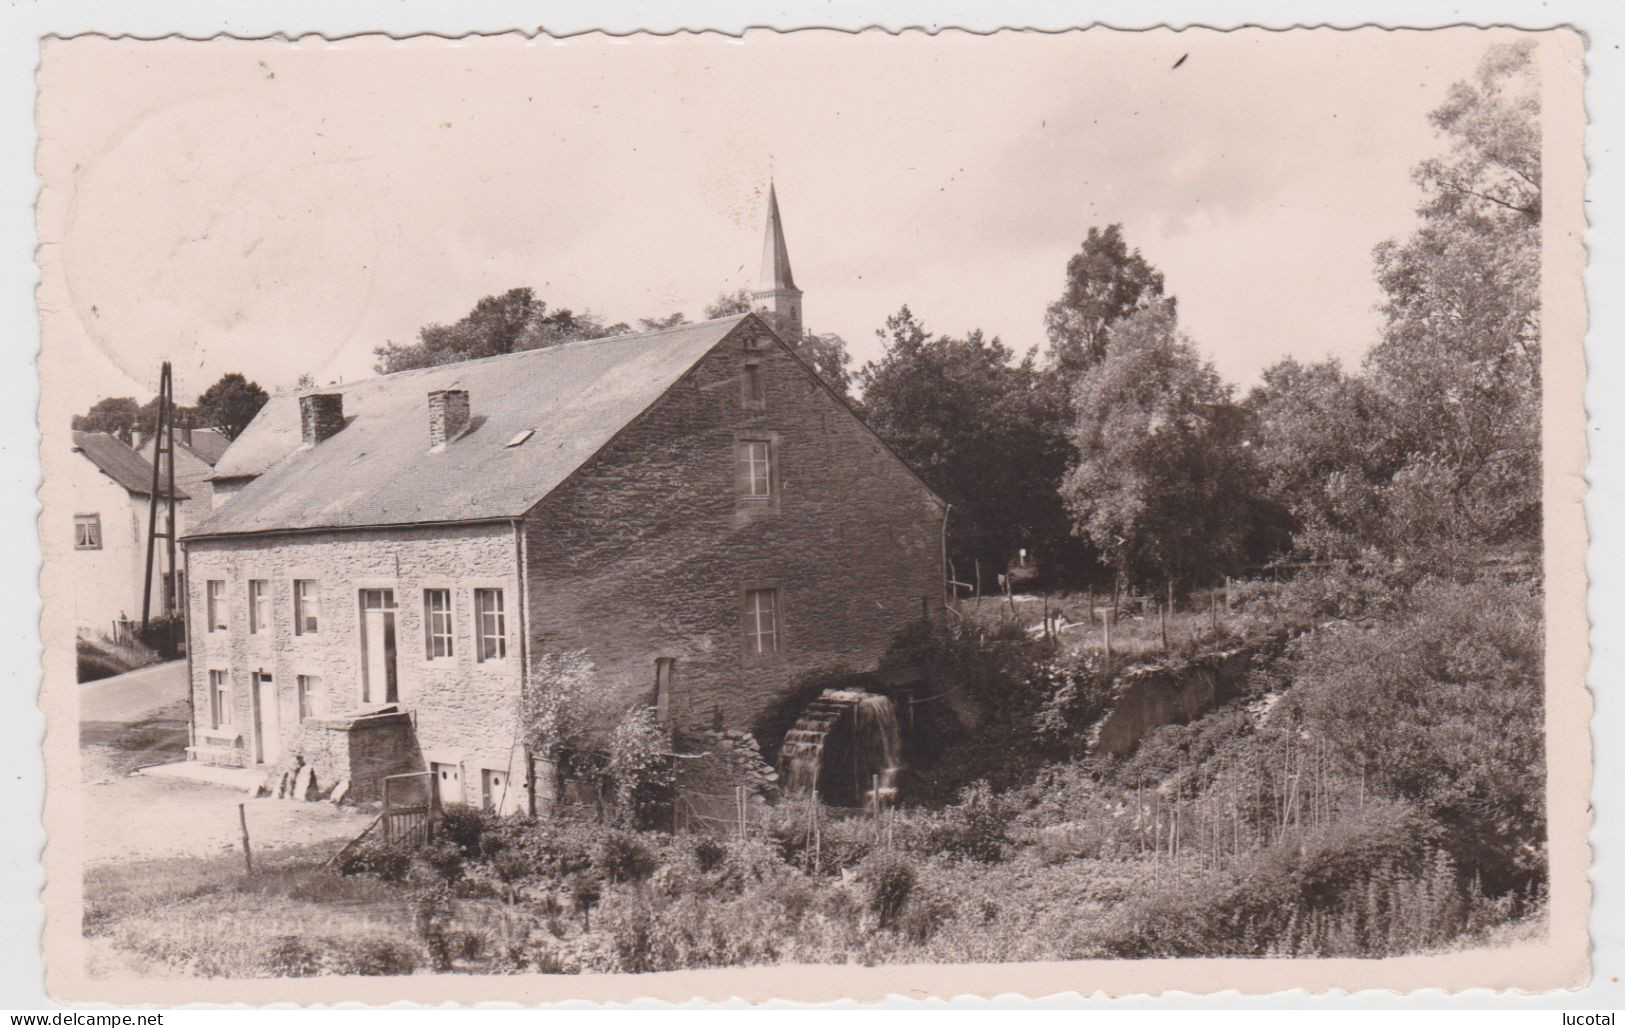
{"x":623,"y":857}
{"x":462,"y":826}
{"x":887,"y":879}
{"x":640,"y":766}
{"x":975,"y":828}
{"x":377,"y":956}
{"x":292,"y":957}
{"x":373,"y":856}
{"x":709,"y":854}
{"x":1444,"y":706}
{"x":1262,"y":905}
{"x":444,"y":858}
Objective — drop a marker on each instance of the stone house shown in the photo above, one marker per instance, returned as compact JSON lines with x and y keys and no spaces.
{"x":108,"y":487}
{"x":692,"y":508}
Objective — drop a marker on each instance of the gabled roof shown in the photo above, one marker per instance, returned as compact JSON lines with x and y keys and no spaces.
{"x":208,"y":445}
{"x":378,"y":469}
{"x":117,"y":461}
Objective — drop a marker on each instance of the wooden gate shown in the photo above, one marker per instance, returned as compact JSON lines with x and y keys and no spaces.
{"x":409,"y":808}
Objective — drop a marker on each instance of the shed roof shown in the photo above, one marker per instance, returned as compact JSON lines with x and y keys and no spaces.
{"x":117,"y":461}
{"x":379,"y":470}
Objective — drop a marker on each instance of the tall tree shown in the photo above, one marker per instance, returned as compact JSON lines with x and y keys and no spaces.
{"x":1163,"y":482}
{"x":1106,"y":281}
{"x":513,"y":321}
{"x":1429,"y":460}
{"x":230,"y":404}
{"x":969,"y":417}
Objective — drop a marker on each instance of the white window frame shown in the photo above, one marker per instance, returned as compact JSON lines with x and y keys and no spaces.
{"x":94,"y":539}
{"x":214,"y":602}
{"x":303,"y":604}
{"x":447,"y":634}
{"x":756,"y":457}
{"x":259,"y":605}
{"x":490,"y":626}
{"x":308,"y":689}
{"x":219,"y":699}
{"x":762,"y":622}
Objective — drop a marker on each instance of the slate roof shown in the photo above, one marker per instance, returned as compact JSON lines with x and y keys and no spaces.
{"x":208,"y":444}
{"x":378,"y":469}
{"x":117,"y":461}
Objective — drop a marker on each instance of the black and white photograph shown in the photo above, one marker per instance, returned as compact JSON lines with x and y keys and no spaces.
{"x":573,"y":517}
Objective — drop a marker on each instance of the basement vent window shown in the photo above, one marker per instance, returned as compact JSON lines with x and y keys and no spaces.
{"x":521,"y":437}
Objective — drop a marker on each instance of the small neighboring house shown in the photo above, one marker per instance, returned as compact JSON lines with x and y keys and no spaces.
{"x":691,"y":507}
{"x":109,"y":490}
{"x":197,"y":450}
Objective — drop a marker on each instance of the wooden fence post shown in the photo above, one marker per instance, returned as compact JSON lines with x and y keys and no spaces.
{"x":248,"y":855}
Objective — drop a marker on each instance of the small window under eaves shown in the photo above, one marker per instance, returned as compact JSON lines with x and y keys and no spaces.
{"x":521,"y":437}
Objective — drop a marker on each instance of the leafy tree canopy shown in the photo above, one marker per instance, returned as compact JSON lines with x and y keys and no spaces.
{"x":230,"y":404}
{"x":969,"y":417}
{"x":514,"y":321}
{"x":1106,"y":281}
{"x":1163,"y":482}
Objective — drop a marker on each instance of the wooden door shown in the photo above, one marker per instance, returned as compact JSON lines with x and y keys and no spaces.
{"x":267,"y":720}
{"x":378,"y":646}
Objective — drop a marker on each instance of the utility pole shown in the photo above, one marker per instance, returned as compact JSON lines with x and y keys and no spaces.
{"x":163,"y":484}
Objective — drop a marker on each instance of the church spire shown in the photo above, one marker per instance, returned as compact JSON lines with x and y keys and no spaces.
{"x":776,"y":297}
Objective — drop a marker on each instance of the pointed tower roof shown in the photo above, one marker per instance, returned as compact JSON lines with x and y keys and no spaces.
{"x":775,"y":255}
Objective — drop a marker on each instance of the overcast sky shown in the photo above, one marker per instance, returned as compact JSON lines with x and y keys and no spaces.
{"x":277,"y":208}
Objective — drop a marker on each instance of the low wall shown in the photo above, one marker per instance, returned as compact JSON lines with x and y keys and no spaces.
{"x":362,"y":750}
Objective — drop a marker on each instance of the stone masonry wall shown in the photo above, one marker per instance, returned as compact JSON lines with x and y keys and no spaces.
{"x":464,"y":711}
{"x":648,"y":550}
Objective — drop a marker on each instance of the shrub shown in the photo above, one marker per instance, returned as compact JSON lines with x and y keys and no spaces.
{"x":1444,"y":707}
{"x":378,"y":858}
{"x":377,"y":956}
{"x":640,"y":766}
{"x":623,"y":857}
{"x":975,"y":828}
{"x":709,"y":854}
{"x":290,"y":956}
{"x":462,"y":826}
{"x":585,"y":889}
{"x":444,"y":858}
{"x":1267,"y":903}
{"x":887,"y":879}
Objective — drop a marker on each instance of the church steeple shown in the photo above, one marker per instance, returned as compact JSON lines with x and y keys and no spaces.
{"x":776,"y":298}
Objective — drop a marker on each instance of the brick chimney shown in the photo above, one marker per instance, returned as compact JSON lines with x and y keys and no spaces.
{"x":320,"y":415}
{"x":448,"y":415}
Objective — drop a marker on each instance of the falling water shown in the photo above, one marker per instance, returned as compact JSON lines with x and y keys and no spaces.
{"x":880,"y":740}
{"x":877,"y":744}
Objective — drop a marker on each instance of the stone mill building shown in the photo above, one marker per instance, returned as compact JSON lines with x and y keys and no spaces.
{"x":692,"y":508}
